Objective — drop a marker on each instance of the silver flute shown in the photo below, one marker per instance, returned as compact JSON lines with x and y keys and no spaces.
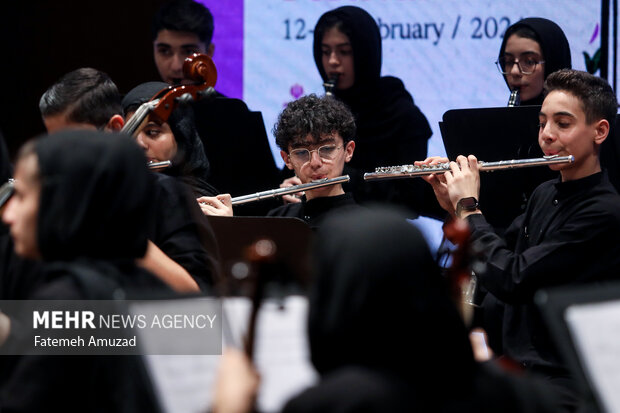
{"x":514,"y":99}
{"x":412,"y":171}
{"x":158,"y":166}
{"x":330,"y":85}
{"x":272,"y":193}
{"x":6,"y":191}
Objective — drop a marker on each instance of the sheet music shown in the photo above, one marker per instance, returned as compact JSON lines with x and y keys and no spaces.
{"x":282,"y":352}
{"x":185,"y":383}
{"x":595,"y":329}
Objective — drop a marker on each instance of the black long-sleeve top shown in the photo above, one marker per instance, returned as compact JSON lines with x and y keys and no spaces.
{"x":181,"y":231}
{"x":315,"y":210}
{"x":568,"y":235}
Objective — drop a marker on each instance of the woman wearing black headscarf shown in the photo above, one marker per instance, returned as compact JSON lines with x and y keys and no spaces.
{"x":5,"y":163}
{"x":384,"y":334}
{"x":17,"y":276}
{"x":82,"y":207}
{"x":6,"y":246}
{"x":391,"y":128}
{"x":176,"y":140}
{"x":541,"y":48}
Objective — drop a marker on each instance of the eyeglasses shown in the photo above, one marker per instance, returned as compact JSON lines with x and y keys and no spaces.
{"x":526,"y":65}
{"x":302,"y":155}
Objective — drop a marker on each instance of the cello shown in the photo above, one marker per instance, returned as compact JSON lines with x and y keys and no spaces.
{"x":198,"y":67}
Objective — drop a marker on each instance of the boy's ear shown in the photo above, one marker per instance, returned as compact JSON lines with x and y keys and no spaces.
{"x":286,"y":159}
{"x":349,"y":148}
{"x":115,"y":124}
{"x":210,"y":50}
{"x":602,"y":130}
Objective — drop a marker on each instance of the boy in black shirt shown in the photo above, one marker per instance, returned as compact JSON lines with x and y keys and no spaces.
{"x":315,"y":136}
{"x":568,"y":221}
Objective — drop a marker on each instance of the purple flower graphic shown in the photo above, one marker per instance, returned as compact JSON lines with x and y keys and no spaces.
{"x":297,"y":90}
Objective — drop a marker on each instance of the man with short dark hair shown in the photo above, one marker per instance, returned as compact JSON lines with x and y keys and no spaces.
{"x":180,"y":28}
{"x":85,"y":98}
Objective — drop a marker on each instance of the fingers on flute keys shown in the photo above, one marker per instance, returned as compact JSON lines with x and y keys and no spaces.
{"x":292,"y":198}
{"x":220,"y":205}
{"x":433,"y":179}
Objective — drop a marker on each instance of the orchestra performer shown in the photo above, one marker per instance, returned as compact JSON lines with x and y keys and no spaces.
{"x":82,"y":207}
{"x":173,"y":140}
{"x":315,"y":136}
{"x":87,"y":98}
{"x":391,"y":129}
{"x":531,"y":50}
{"x":567,"y":221}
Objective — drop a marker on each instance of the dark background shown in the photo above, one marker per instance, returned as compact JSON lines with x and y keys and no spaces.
{"x":43,"y":40}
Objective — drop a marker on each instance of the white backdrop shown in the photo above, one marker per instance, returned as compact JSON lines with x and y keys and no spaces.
{"x":445,"y":52}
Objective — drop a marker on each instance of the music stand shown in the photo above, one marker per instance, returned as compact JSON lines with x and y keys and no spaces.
{"x":581,"y":319}
{"x":238,"y":150}
{"x":292,"y":237}
{"x":494,"y":134}
{"x":282,"y":350}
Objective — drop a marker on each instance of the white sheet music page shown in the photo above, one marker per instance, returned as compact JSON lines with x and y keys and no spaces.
{"x":185,"y":383}
{"x":596,"y":332}
{"x":282,"y":352}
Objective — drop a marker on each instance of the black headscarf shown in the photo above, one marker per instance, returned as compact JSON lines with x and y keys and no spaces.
{"x":190,"y":164}
{"x":375,"y":101}
{"x":553,"y":45}
{"x":17,"y":276}
{"x":6,"y":171}
{"x":95,"y":193}
{"x":378,"y":301}
{"x":365,"y":40}
{"x":391,"y":129}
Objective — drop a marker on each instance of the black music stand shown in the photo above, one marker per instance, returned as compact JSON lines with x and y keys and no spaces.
{"x":292,"y":237}
{"x":281,"y":347}
{"x":562,"y":310}
{"x":238,"y":150}
{"x":494,"y":134}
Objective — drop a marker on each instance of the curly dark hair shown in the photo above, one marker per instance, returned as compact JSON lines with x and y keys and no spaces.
{"x":598,"y":100}
{"x":315,"y":116}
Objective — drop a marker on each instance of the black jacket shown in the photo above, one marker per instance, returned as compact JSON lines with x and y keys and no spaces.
{"x":568,"y":235}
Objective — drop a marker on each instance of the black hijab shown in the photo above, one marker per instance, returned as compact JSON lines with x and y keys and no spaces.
{"x":378,"y":103}
{"x":391,"y":129}
{"x":6,"y":171}
{"x":553,"y":45}
{"x":190,"y":164}
{"x":365,"y":40}
{"x":95,"y":193}
{"x":378,"y":301}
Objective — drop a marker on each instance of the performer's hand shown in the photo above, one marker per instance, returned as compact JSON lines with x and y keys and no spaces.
{"x":478,"y":339}
{"x":292,"y":198}
{"x":5,"y":327}
{"x":438,"y":182}
{"x":220,"y":205}
{"x":236,"y":385}
{"x":463,"y":179}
